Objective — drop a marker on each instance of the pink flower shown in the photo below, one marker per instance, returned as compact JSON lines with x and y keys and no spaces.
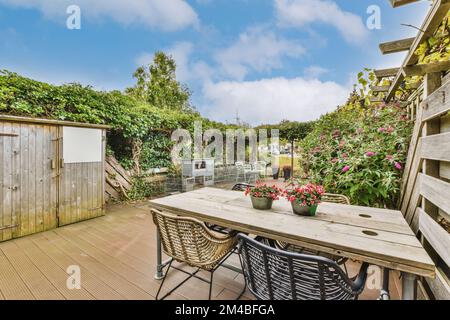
{"x":389,"y":157}
{"x":390,"y":129}
{"x":381,"y":129}
{"x":345,"y":169}
{"x":334,"y":160}
{"x":398,"y":166}
{"x":344,"y":155}
{"x":370,"y":154}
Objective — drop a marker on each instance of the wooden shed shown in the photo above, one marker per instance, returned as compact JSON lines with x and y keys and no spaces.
{"x":51,"y":174}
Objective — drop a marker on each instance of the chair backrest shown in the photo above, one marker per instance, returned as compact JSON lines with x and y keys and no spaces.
{"x":335,"y":198}
{"x":273,"y":274}
{"x":241,"y":186}
{"x":187,"y":240}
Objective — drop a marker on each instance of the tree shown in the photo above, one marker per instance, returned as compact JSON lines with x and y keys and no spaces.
{"x":294,"y":131}
{"x":157,"y":85}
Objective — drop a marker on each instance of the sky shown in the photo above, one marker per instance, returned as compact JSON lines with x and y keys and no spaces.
{"x":261,"y":60}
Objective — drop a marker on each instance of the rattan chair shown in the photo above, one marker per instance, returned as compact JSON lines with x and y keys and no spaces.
{"x":190,"y":241}
{"x":326,"y":197}
{"x":273,"y":274}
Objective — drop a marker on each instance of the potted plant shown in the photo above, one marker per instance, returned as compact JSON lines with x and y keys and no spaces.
{"x":262,"y":195}
{"x":304,"y":199}
{"x":287,"y":172}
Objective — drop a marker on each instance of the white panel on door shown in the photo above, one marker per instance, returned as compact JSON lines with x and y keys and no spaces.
{"x":82,"y":145}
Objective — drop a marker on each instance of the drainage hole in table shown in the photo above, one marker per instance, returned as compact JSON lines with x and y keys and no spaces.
{"x":365,"y":216}
{"x":370,"y":233}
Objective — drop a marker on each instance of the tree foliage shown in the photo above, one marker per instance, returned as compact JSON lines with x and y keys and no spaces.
{"x":157,"y":85}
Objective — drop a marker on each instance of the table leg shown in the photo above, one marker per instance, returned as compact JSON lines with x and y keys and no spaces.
{"x":408,"y":284}
{"x":159,"y":265}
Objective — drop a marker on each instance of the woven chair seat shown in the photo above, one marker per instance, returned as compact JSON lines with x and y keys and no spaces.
{"x":190,"y":241}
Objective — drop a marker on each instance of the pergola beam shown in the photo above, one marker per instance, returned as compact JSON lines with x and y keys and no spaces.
{"x":432,"y":21}
{"x":383,"y":73}
{"x":380,"y":88}
{"x":423,"y":69}
{"x":396,"y":46}
{"x":399,"y":3}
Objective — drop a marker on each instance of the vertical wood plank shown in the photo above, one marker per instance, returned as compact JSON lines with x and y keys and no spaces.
{"x":16,"y":194}
{"x":7,"y":182}
{"x":24,"y":136}
{"x":32,"y":180}
{"x":39,"y":165}
{"x":2,"y":186}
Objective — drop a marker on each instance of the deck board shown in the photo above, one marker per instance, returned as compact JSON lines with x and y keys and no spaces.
{"x":116,"y":254}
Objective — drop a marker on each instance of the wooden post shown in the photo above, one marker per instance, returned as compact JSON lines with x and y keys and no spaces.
{"x":292,"y":158}
{"x":432,"y":82}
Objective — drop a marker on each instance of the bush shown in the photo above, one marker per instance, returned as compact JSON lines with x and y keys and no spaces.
{"x":359,"y":152}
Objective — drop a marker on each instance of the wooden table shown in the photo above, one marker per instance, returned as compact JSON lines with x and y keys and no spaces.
{"x":378,"y":236}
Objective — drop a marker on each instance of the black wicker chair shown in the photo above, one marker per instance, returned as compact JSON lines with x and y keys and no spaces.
{"x":273,"y":274}
{"x":241,"y":186}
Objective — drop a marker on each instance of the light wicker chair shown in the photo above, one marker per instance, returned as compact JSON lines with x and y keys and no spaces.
{"x":326,"y":197}
{"x":190,"y":241}
{"x":273,"y":274}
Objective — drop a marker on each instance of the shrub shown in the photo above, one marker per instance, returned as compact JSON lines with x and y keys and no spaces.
{"x":359,"y":152}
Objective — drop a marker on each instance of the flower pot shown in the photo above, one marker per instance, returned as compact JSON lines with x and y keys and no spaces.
{"x":287,"y":174}
{"x":261,"y":203}
{"x":308,"y":211}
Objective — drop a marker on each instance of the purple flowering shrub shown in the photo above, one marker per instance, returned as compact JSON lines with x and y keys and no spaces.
{"x":359,"y":152}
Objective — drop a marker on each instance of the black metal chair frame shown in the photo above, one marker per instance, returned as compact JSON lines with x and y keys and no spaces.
{"x":295,"y":266}
{"x":193,"y":275}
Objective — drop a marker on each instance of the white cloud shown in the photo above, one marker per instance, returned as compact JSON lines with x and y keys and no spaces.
{"x":186,"y":70}
{"x":299,"y":13}
{"x":272,"y":100}
{"x":314,"y":72}
{"x":257,"y":49}
{"x":168,"y":15}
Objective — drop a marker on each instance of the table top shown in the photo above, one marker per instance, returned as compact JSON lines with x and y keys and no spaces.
{"x":378,"y":236}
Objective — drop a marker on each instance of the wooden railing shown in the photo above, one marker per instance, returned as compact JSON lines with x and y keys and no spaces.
{"x":425,"y":192}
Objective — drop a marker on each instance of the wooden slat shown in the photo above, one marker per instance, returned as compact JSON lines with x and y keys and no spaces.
{"x":384,"y":73}
{"x":411,"y":176}
{"x":437,"y":104}
{"x":9,"y":118}
{"x":379,"y":88}
{"x":7,"y":183}
{"x":11,"y":284}
{"x":436,"y":191}
{"x":396,"y":46}
{"x":440,"y":285}
{"x":432,"y":21}
{"x":399,"y":3}
{"x":422,"y":69}
{"x":436,"y":147}
{"x":33,"y":278}
{"x":438,"y":238}
{"x":444,"y":170}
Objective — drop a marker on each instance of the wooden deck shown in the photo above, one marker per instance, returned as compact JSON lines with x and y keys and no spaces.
{"x":116,"y":255}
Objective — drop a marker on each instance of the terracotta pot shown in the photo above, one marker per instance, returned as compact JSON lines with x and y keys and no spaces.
{"x":308,"y":211}
{"x":262,"y":203}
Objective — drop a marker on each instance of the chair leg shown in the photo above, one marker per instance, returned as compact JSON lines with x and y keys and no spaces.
{"x":210,"y":284}
{"x":164,"y":279}
{"x":243,"y":290}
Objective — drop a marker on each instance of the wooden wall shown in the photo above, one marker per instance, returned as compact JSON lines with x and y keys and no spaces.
{"x":425,"y":199}
{"x":38,"y":192}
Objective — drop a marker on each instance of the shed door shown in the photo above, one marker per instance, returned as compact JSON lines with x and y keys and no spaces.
{"x":28,"y":179}
{"x":81,"y":176}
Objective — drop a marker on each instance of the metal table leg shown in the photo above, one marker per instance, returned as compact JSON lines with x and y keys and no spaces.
{"x":408,"y":283}
{"x":384,"y":292}
{"x":159,"y":275}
